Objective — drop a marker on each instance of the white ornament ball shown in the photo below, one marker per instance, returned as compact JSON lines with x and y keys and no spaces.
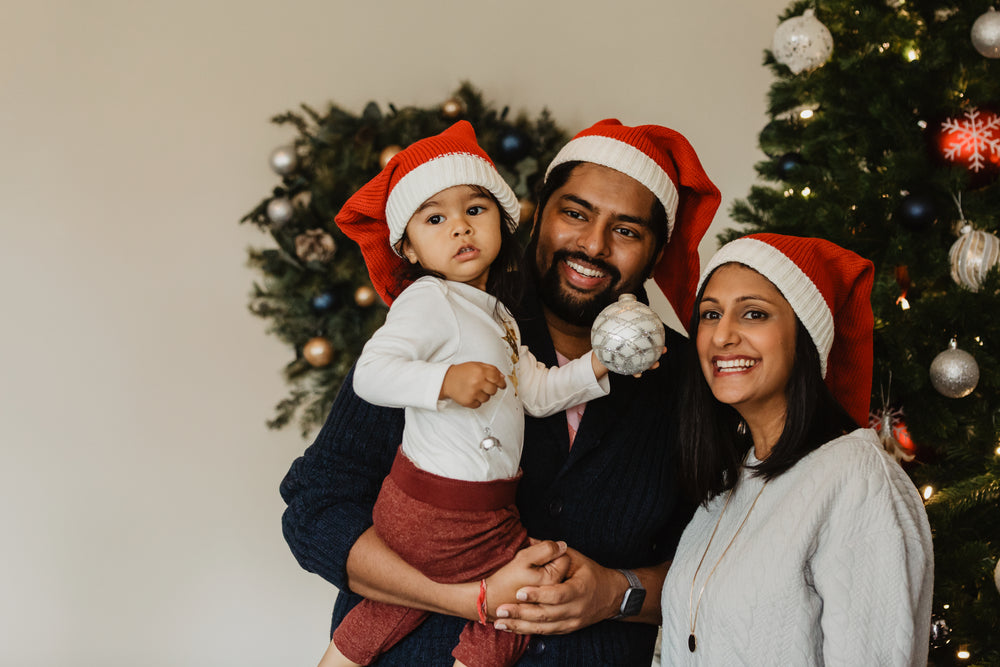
{"x":954,"y":372}
{"x":986,"y":34}
{"x":627,"y":336}
{"x":284,"y":160}
{"x":996,"y":576}
{"x":802,"y":43}
{"x":280,"y":210}
{"x":972,"y":256}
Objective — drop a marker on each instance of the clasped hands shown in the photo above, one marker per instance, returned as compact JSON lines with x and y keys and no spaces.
{"x":566,"y":591}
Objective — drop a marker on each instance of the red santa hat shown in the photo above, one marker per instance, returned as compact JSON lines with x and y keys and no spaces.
{"x":376,"y":215}
{"x":665,"y":162}
{"x":829,"y":288}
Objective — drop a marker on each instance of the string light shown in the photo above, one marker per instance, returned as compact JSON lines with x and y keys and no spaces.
{"x":806,"y":191}
{"x":806,"y":114}
{"x":903,"y":303}
{"x":928,"y":492}
{"x":912,"y":55}
{"x":963,"y":652}
{"x":998,"y":451}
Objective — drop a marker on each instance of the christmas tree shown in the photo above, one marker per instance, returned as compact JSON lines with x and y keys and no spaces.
{"x":315,"y":289}
{"x":884,"y":137}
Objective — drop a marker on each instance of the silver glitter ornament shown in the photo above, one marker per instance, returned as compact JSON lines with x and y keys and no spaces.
{"x":280,"y":210}
{"x":986,"y":34}
{"x":627,"y":336}
{"x":802,"y":43}
{"x":972,"y":256}
{"x":954,"y":372}
{"x":284,"y":160}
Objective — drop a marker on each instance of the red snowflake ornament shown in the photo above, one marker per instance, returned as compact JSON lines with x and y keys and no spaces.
{"x":971,"y":141}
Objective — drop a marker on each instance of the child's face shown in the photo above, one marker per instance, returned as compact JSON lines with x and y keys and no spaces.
{"x":455,"y":233}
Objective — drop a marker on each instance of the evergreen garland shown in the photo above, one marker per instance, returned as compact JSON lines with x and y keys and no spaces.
{"x":847,"y":174}
{"x":309,"y":294}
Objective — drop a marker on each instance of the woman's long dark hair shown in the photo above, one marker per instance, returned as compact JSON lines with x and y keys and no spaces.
{"x":711,"y":447}
{"x":505,"y":281}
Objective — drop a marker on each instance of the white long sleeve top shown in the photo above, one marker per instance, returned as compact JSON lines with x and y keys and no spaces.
{"x":834,"y":566}
{"x":435,"y":324}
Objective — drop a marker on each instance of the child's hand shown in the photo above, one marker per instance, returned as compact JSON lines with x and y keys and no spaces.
{"x":471,"y":384}
{"x":656,"y":364}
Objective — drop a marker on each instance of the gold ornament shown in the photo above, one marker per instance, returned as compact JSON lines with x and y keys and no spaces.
{"x":315,"y":245}
{"x":452,"y":108}
{"x":318,"y":352}
{"x":364,"y":296}
{"x":527,"y":210}
{"x":387,"y":153}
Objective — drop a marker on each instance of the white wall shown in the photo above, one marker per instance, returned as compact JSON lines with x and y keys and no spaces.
{"x":138,"y":484}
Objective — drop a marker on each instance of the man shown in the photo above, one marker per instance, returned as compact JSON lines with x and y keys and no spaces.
{"x":619,"y":205}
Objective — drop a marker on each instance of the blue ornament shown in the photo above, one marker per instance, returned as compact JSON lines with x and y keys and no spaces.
{"x":513,"y":146}
{"x":917,"y":211}
{"x":789,"y":164}
{"x":323,"y":302}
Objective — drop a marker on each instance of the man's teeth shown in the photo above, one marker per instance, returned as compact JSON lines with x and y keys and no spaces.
{"x":583,"y":270}
{"x":735,"y":364}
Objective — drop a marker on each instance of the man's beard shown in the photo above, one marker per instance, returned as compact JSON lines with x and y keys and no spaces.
{"x":574,"y":308}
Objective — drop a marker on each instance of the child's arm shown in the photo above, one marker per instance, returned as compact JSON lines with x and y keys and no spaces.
{"x":472,"y":383}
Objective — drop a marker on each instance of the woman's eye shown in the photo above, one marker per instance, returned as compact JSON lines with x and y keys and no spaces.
{"x":710,"y":315}
{"x":756,"y":315}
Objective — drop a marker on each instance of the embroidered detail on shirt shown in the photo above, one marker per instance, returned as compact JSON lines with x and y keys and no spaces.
{"x":511,"y":339}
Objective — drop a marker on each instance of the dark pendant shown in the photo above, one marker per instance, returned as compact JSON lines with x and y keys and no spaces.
{"x":489,"y":442}
{"x":691,"y":642}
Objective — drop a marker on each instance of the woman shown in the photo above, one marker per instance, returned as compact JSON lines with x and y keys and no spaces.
{"x":811,"y":545}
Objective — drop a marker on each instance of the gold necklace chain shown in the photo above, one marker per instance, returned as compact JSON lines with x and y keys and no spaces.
{"x":693,"y":614}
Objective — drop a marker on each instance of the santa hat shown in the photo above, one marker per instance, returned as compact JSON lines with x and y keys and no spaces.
{"x":376,"y":215}
{"x":829,"y":288}
{"x":665,"y":162}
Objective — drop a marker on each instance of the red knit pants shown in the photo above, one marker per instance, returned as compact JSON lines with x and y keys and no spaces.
{"x":453,"y":531}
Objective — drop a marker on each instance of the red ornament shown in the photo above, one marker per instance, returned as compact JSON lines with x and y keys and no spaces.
{"x":971,"y":141}
{"x":893,"y":434}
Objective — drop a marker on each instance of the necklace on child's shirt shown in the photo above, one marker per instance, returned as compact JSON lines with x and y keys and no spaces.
{"x":490,"y":442}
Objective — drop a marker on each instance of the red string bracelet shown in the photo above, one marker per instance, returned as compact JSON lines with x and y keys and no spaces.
{"x":481,"y":602}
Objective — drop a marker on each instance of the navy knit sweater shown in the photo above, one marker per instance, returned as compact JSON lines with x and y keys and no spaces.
{"x":612,"y":496}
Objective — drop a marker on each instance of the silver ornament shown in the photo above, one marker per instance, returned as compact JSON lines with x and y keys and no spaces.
{"x":972,"y":256}
{"x":284,"y":160}
{"x":986,"y":34}
{"x":996,"y":576}
{"x":954,"y":372}
{"x":627,"y":336}
{"x":802,"y":43}
{"x":280,"y":210}
{"x":489,"y":441}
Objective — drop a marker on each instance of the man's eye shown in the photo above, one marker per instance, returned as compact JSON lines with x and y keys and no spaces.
{"x":573,"y":214}
{"x":626,"y":231}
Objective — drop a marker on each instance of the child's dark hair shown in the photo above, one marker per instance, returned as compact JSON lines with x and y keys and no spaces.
{"x":505,"y":280}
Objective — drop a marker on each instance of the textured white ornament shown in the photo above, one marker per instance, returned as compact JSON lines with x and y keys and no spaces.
{"x":802,"y":43}
{"x":972,"y":256}
{"x":284,"y":160}
{"x":627,"y":336}
{"x":986,"y":34}
{"x":954,"y":372}
{"x":280,"y":210}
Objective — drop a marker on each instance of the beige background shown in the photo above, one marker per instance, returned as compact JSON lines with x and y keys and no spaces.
{"x":139,"y":508}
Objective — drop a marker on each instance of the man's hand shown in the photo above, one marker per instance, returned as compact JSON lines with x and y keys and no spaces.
{"x":541,"y":564}
{"x":589,"y":594}
{"x":472,"y":383}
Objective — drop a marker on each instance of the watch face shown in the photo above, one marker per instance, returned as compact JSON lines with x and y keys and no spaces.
{"x":634,"y":597}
